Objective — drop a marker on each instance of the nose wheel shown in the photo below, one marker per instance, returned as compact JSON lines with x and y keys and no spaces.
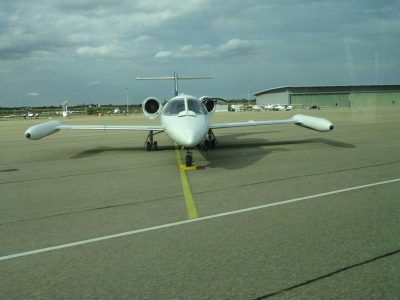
{"x":188,"y":159}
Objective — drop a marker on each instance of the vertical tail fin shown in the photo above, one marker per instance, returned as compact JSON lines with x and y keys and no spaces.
{"x":176,"y":78}
{"x":176,"y":83}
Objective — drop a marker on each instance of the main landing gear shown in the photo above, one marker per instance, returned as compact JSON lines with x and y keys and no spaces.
{"x":209,"y":142}
{"x":150,"y":144}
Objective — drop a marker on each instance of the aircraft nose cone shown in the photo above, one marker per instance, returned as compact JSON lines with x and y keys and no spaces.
{"x":186,"y":131}
{"x":188,"y":137}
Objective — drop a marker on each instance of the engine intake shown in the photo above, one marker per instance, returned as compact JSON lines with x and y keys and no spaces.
{"x":209,"y":103}
{"x":151,"y":107}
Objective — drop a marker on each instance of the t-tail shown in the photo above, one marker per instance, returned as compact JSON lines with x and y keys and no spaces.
{"x":175,"y":78}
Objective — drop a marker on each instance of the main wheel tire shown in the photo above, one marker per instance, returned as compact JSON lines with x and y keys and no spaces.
{"x":148,"y":146}
{"x":188,"y":160}
{"x":206,"y":145}
{"x":155,"y":146}
{"x":212,"y":142}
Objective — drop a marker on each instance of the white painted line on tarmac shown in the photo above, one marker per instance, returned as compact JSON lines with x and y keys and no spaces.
{"x":153,"y":228}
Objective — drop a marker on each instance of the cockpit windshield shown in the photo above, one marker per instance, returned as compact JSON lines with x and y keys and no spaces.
{"x":175,"y":106}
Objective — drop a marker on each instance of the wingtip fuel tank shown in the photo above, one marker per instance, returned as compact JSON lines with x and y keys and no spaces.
{"x":41,"y":130}
{"x":315,"y":123}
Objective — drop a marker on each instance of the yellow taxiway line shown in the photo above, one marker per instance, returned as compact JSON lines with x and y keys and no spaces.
{"x":187,"y":192}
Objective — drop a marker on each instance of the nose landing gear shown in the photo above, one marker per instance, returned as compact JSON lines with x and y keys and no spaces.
{"x":188,"y":159}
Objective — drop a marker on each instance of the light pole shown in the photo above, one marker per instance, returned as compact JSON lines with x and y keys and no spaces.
{"x":127,"y":101}
{"x":248,"y":94}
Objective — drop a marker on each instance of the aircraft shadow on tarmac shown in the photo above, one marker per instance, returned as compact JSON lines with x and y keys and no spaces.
{"x":102,"y":149}
{"x":233,"y":151}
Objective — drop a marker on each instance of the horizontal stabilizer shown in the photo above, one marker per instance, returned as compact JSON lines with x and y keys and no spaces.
{"x":175,"y":78}
{"x":172,"y":78}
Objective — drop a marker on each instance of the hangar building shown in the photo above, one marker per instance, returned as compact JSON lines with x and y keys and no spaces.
{"x":331,"y":96}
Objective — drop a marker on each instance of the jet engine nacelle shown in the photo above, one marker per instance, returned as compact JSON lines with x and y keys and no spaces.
{"x":151,"y":107}
{"x":209,"y":103}
{"x":38,"y":131}
{"x":314,"y":123}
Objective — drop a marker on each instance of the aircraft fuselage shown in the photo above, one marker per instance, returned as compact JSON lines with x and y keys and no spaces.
{"x":185,"y":120}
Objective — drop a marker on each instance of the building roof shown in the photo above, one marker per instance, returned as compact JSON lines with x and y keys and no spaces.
{"x":331,"y":89}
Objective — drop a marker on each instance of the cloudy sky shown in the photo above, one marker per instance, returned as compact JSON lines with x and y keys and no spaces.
{"x":90,"y":51}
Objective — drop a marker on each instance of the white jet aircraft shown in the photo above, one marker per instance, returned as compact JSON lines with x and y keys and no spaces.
{"x":184,"y":118}
{"x":65,"y":113}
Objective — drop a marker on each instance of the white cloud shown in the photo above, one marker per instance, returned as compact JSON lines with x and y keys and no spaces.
{"x":174,"y":8}
{"x":234,"y":47}
{"x":32,"y":94}
{"x":142,"y":38}
{"x":86,"y":27}
{"x":72,"y":42}
{"x":164,"y":54}
{"x":94,"y":51}
{"x":189,"y":51}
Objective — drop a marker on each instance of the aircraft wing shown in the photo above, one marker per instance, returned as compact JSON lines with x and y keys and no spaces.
{"x":111,"y":127}
{"x":251,"y":123}
{"x":41,"y":130}
{"x":310,"y":122}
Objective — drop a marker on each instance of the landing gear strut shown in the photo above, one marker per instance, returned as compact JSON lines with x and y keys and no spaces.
{"x":210,"y":142}
{"x":150,"y":143}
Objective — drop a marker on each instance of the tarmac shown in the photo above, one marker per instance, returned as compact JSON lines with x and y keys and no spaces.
{"x":281,"y":212}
